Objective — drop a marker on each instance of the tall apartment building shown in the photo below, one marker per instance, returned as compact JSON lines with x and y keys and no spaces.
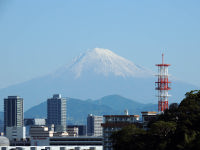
{"x":13,"y":112}
{"x":115,"y":123}
{"x":56,"y":112}
{"x":94,"y":125}
{"x":14,"y":117}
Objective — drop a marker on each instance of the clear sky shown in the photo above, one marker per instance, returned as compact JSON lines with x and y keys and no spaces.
{"x":39,"y":36}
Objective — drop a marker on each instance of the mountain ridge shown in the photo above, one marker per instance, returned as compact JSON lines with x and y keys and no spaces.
{"x":94,"y":85}
{"x":77,"y":110}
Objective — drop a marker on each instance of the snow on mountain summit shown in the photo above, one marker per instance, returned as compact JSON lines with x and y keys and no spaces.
{"x":105,"y":62}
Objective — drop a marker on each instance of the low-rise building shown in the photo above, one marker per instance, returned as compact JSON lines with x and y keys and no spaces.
{"x":147,"y":117}
{"x":60,"y":134}
{"x":16,"y":133}
{"x":72,"y":131}
{"x":51,"y":147}
{"x":115,"y":123}
{"x":28,"y":122}
{"x":91,"y":141}
{"x":81,"y":129}
{"x":40,"y":135}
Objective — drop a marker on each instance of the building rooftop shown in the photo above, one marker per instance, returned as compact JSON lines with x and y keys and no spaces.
{"x":149,"y":112}
{"x":57,"y":96}
{"x":121,"y":115}
{"x":13,"y":97}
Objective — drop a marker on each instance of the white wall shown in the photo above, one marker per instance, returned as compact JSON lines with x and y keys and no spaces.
{"x":15,"y":133}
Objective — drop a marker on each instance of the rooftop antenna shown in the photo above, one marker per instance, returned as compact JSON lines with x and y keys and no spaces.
{"x":162,"y":58}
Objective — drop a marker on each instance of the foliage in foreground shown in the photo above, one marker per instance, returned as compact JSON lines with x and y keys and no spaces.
{"x":177,"y":129}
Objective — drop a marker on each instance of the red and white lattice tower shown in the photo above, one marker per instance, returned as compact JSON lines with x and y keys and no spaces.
{"x":162,"y":85}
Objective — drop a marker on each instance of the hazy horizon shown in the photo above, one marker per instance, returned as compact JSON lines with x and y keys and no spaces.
{"x":37,"y":37}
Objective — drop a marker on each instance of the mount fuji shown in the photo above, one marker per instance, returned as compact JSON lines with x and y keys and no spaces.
{"x":102,"y":62}
{"x":94,"y":74}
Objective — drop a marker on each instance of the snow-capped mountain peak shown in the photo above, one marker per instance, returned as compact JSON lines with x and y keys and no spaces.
{"x":105,"y":62}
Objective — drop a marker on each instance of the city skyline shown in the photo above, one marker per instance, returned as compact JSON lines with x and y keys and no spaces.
{"x":109,"y":60}
{"x":95,"y":74}
{"x":138,"y":31}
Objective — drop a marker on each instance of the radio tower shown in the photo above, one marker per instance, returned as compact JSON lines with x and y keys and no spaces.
{"x":162,"y":86}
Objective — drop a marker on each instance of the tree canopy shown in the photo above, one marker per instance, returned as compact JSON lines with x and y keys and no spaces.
{"x":178,"y":128}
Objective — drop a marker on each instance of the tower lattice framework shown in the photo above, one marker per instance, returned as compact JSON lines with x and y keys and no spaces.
{"x":162,"y":85}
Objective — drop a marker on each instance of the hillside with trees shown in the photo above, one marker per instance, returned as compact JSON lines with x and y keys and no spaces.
{"x":178,"y":128}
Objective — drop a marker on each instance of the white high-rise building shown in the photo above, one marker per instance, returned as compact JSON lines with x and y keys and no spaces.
{"x":94,"y":127}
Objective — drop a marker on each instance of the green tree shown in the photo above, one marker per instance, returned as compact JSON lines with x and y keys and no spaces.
{"x":178,"y":128}
{"x":125,"y":138}
{"x":162,"y":128}
{"x":188,"y":125}
{"x":170,"y":114}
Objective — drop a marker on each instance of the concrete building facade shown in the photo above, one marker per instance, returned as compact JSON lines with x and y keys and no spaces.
{"x":14,"y":118}
{"x":28,"y":122}
{"x":13,"y":112}
{"x":72,"y":131}
{"x":16,"y":133}
{"x":81,"y":129}
{"x":56,"y":112}
{"x":94,"y":127}
{"x":40,"y":135}
{"x":115,"y":123}
{"x":76,"y":141}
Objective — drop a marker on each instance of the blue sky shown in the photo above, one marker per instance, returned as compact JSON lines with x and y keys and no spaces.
{"x":37,"y":37}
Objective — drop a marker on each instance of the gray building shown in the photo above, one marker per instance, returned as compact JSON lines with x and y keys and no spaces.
{"x":28,"y":122}
{"x":13,"y":112}
{"x":56,"y":112}
{"x":94,"y":125}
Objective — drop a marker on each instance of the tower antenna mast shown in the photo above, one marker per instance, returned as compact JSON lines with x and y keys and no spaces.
{"x":162,"y":86}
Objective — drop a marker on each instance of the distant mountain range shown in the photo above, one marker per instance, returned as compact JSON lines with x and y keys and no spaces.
{"x":77,"y":110}
{"x":94,"y":74}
